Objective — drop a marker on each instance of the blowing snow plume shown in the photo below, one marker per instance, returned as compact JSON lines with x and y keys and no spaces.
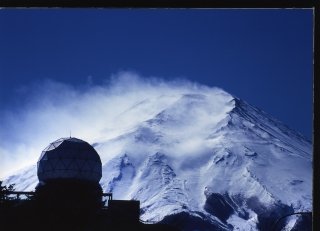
{"x":187,"y":152}
{"x":93,"y":113}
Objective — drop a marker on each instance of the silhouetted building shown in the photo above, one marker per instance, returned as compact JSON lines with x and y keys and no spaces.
{"x":69,"y":158}
{"x":69,"y":196}
{"x":69,"y":171}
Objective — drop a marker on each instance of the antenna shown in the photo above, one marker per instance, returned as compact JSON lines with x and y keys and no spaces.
{"x":70,"y":133}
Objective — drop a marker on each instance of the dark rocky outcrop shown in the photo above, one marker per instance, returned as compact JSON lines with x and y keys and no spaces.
{"x":188,"y":222}
{"x":268,"y":216}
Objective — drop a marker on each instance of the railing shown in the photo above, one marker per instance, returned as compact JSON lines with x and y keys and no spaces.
{"x":18,"y":193}
{"x":109,"y":195}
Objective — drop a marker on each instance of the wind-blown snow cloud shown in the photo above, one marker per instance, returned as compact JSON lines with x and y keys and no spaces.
{"x":90,"y":113}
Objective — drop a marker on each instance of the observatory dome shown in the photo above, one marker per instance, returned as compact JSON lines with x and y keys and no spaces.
{"x":69,"y":158}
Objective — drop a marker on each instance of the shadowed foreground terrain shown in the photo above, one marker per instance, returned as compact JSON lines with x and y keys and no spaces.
{"x":70,"y":208}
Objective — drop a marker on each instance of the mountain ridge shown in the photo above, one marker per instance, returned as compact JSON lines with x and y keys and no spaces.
{"x":207,"y":157}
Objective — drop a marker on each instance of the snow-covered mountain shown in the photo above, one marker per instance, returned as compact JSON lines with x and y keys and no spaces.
{"x":203,"y":160}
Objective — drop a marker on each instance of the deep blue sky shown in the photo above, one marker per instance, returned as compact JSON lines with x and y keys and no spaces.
{"x":262,"y":56}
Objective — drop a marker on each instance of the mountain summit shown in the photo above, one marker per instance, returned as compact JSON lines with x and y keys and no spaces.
{"x":203,"y":160}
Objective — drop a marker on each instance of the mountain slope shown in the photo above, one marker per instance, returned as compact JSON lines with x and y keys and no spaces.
{"x":204,"y":160}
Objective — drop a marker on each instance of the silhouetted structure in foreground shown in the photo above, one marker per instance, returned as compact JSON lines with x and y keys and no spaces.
{"x":69,"y":196}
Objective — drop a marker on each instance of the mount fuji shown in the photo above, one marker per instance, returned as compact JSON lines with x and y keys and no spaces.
{"x":203,"y":160}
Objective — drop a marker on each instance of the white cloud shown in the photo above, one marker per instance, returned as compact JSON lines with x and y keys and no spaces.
{"x":92,"y":113}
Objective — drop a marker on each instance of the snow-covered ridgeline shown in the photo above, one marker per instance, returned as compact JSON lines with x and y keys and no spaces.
{"x":190,"y":150}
